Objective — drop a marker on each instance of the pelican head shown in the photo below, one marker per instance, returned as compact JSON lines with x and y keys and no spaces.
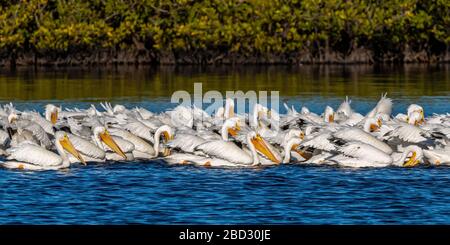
{"x":231,"y":126}
{"x":416,"y":108}
{"x":166,"y":132}
{"x":294,"y":133}
{"x":102,"y":134}
{"x":51,"y":113}
{"x":415,"y":118}
{"x":293,"y":145}
{"x":372,"y":124}
{"x":119,"y":109}
{"x":261,"y":146}
{"x":345,"y":108}
{"x":304,"y":110}
{"x":229,"y":108}
{"x":414,"y":154}
{"x":329,"y":114}
{"x":63,"y":140}
{"x":12,"y":117}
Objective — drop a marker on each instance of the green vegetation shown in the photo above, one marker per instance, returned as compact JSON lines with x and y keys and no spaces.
{"x":223,"y":31}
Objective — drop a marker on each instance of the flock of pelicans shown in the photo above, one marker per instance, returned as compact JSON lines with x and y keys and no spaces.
{"x":183,"y":135}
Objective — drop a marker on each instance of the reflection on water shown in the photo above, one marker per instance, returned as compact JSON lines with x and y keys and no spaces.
{"x":94,"y":84}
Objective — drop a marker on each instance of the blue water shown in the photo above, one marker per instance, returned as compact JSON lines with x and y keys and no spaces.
{"x":153,"y":193}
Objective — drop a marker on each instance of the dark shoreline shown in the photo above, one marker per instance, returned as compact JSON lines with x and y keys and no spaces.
{"x":360,"y":57}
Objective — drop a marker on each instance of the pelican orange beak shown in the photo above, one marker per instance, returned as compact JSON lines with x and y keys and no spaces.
{"x":412,"y":162}
{"x":109,"y":141}
{"x":262,"y":147}
{"x":374,"y":128}
{"x":54,"y":117}
{"x":331,"y":118}
{"x":167,"y":136}
{"x":301,"y":135}
{"x":379,"y":123}
{"x":234,"y":130}
{"x":300,"y":152}
{"x":68,"y":146}
{"x":166,"y":152}
{"x":422,"y":115}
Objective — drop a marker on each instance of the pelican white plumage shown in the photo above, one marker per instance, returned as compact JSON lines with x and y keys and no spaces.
{"x":291,"y":151}
{"x":33,"y":131}
{"x":384,"y":106}
{"x":438,"y":156}
{"x":32,"y":157}
{"x":343,"y":137}
{"x":88,"y":150}
{"x":360,"y":155}
{"x":418,"y":109}
{"x":221,"y":153}
{"x":106,"y":142}
{"x":346,"y":115}
{"x":356,"y":134}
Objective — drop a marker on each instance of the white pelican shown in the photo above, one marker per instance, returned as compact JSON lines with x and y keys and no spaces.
{"x":32,"y":157}
{"x":142,"y":149}
{"x":291,"y":151}
{"x":416,"y":108}
{"x":186,"y":142}
{"x":346,"y":115}
{"x":372,"y":124}
{"x":87,"y":149}
{"x":34,"y":130}
{"x":359,"y":155}
{"x":106,"y":142}
{"x":384,"y":106}
{"x":51,"y":113}
{"x":438,"y":156}
{"x":328,"y":114}
{"x":221,"y":153}
{"x":356,"y":134}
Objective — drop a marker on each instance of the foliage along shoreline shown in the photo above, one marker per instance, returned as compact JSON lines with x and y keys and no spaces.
{"x":69,"y":32}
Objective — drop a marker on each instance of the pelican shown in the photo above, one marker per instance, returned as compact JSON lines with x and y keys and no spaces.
{"x":438,"y":156}
{"x":29,"y":156}
{"x":359,"y":155}
{"x":291,"y":151}
{"x":329,"y":115}
{"x":384,"y":106}
{"x":356,"y":134}
{"x":28,"y":130}
{"x":416,"y":108}
{"x":51,"y":113}
{"x":347,"y":115}
{"x":106,"y":142}
{"x":372,"y":125}
{"x":142,"y":149}
{"x":221,"y":153}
